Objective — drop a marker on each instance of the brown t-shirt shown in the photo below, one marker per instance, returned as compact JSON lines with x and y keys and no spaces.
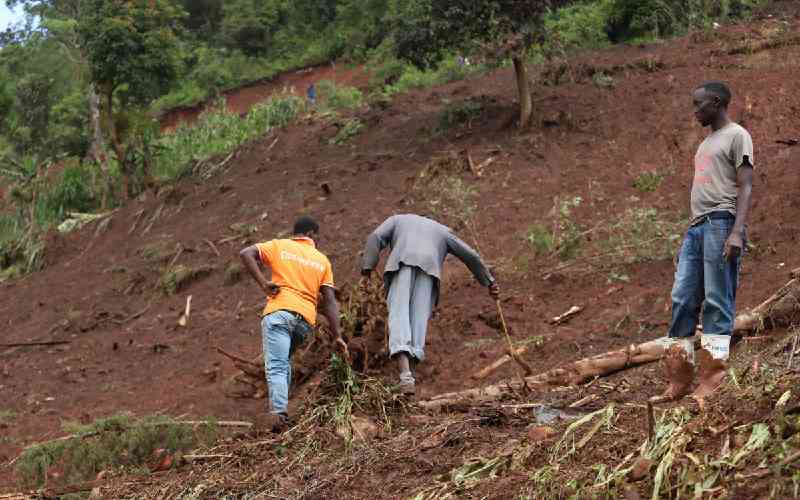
{"x":715,"y":167}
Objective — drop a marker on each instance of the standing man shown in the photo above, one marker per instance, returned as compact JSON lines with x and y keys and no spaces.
{"x":411,"y":276}
{"x":295,"y":275}
{"x":708,"y":263}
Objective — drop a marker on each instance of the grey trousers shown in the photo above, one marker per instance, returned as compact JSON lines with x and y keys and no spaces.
{"x":412,"y":294}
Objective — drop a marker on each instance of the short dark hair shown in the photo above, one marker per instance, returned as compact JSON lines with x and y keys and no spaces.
{"x":719,"y":89}
{"x":305,"y":224}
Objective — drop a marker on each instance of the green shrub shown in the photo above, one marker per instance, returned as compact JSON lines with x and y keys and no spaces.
{"x":630,"y":19}
{"x":72,"y":193}
{"x":582,"y":25}
{"x":458,"y":113}
{"x":350,"y":129}
{"x":647,"y":182}
{"x":334,"y":97}
{"x":541,"y":239}
{"x":111,"y":442}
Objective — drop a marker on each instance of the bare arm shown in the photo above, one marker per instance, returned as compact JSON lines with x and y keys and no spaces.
{"x":250,"y":258}
{"x":735,"y":242}
{"x":330,"y":309}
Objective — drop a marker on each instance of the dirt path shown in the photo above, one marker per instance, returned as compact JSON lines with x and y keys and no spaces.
{"x":126,"y":352}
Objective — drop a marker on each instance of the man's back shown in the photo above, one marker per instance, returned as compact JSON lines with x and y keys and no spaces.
{"x":418,"y":241}
{"x":300,"y":270}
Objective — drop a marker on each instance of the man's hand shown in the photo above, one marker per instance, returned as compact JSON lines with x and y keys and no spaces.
{"x":271,"y":288}
{"x":734,"y":244}
{"x":494,"y":290}
{"x":342,"y":346}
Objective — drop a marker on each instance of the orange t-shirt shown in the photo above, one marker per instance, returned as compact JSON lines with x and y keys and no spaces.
{"x":300,"y":270}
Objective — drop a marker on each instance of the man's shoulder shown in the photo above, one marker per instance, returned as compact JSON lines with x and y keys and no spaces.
{"x":734,"y":129}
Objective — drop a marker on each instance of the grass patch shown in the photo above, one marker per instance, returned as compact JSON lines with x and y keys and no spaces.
{"x":179,"y":277}
{"x":647,"y":182}
{"x":219,"y":132}
{"x":347,"y":131}
{"x":117,"y":441}
{"x":333,"y":97}
{"x":6,"y":417}
{"x":456,"y":114}
{"x":642,"y":234}
{"x":451,"y":198}
{"x":541,"y":239}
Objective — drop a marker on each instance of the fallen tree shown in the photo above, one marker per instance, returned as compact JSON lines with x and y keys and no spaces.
{"x":781,"y":309}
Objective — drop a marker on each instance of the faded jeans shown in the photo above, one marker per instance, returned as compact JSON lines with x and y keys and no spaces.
{"x":704,"y":279}
{"x":282,"y":332}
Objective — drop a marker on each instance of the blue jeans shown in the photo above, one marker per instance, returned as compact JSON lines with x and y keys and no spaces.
{"x":704,"y":279}
{"x":282,"y":332}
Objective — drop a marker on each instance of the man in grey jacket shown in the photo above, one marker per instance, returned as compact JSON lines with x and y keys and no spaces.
{"x":418,"y":248}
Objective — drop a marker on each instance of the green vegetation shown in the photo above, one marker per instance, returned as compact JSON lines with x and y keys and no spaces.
{"x":117,"y":441}
{"x":349,"y":129}
{"x":642,"y":234}
{"x":219,"y":132}
{"x":178,"y":277}
{"x":456,"y":114}
{"x":541,"y":239}
{"x":6,"y":417}
{"x":80,"y":87}
{"x":647,"y":182}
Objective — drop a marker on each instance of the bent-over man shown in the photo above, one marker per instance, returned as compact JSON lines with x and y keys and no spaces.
{"x":418,"y":248}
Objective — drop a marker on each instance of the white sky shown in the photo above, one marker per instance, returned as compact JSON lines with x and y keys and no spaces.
{"x":8,"y":17}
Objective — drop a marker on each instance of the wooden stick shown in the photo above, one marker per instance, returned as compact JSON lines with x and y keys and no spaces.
{"x":525,"y":367}
{"x":177,"y":255}
{"x":791,"y":355}
{"x":488,"y":370}
{"x":193,"y":458}
{"x":213,"y":247}
{"x":184,"y":319}
{"x":26,"y":344}
{"x":220,"y":423}
{"x":651,"y":423}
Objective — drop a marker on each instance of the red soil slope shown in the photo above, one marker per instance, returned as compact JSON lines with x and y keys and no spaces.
{"x":590,"y":141}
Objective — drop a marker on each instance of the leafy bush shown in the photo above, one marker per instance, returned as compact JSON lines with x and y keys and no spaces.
{"x":629,"y":19}
{"x":582,"y":25}
{"x":332,"y":96}
{"x":350,"y":129}
{"x":110,"y":442}
{"x":458,"y":113}
{"x":541,"y":239}
{"x":647,"y":182}
{"x":72,"y":193}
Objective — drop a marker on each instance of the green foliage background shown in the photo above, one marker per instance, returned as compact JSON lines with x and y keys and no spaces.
{"x":144,"y":57}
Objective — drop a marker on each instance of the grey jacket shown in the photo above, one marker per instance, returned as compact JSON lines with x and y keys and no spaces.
{"x":418,"y":241}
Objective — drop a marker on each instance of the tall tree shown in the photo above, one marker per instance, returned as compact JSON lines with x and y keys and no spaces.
{"x":132,"y":51}
{"x":425,"y":30}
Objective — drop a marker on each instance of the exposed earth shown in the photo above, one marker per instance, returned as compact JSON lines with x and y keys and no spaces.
{"x":593,"y":138}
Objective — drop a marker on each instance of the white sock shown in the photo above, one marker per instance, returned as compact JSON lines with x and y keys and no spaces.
{"x":718,"y":345}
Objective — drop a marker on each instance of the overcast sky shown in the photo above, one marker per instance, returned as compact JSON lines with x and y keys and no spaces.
{"x":7,"y":16}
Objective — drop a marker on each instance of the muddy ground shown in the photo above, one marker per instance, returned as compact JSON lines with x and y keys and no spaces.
{"x":125,"y":352}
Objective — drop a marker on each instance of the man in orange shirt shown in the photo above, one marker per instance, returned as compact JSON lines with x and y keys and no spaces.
{"x":295,"y":275}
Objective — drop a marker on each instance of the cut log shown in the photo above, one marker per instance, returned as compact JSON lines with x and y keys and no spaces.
{"x":488,"y":370}
{"x":572,"y":374}
{"x":781,"y":309}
